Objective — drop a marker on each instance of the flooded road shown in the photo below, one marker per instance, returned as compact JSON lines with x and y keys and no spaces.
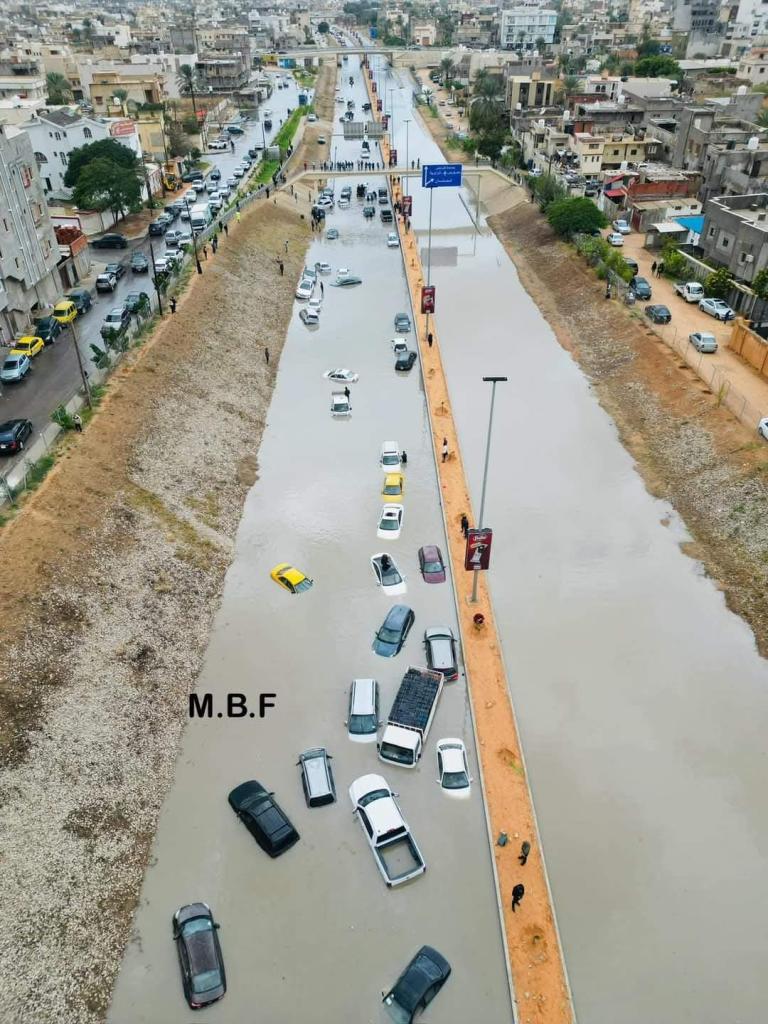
{"x":641,"y":700}
{"x":315,"y":934}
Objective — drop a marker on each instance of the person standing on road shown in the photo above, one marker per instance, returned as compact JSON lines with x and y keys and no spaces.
{"x":464,"y":524}
{"x":281,"y":264}
{"x":205,"y":252}
{"x":266,"y":356}
{"x":445,"y":448}
{"x":347,"y":391}
{"x":653,"y":268}
{"x":238,"y":215}
{"x":517,"y":895}
{"x":322,"y":290}
{"x":173,"y":304}
{"x":661,"y":269}
{"x":214,"y":244}
{"x":286,"y":246}
{"x":78,"y":422}
{"x":226,"y":229}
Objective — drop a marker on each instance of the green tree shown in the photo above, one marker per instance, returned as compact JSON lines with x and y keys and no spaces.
{"x":105,"y":185}
{"x":658,"y":67}
{"x":571,"y":83}
{"x":541,"y":44}
{"x":487,"y":108}
{"x":760,"y":284}
{"x":105,"y":149}
{"x":186,"y":80}
{"x":323,"y":28}
{"x":59,"y":88}
{"x":546,"y":190}
{"x":675,"y":263}
{"x":574,"y":215}
{"x":718,"y":283}
{"x":121,"y":95}
{"x":490,"y":144}
{"x":648,"y":47}
{"x":100,"y":357}
{"x":447,"y":68}
{"x":179,"y":143}
{"x":762,"y":119}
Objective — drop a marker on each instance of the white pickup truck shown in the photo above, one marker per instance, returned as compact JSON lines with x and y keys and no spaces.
{"x":398,"y":858}
{"x":691,"y":291}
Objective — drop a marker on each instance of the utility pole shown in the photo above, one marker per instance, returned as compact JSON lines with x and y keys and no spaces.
{"x":83,"y":374}
{"x":406,"y":122}
{"x":149,"y":238}
{"x":194,"y":238}
{"x":493,"y":381}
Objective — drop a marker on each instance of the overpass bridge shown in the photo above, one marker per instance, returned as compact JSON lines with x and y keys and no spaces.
{"x":401,"y":54}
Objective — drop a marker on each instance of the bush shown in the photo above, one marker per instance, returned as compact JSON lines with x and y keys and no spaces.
{"x":718,"y":284}
{"x":675,"y":264}
{"x":64,"y":419}
{"x":574,"y":215}
{"x":546,"y":189}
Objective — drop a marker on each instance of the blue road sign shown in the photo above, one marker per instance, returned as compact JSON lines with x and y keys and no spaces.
{"x":441,"y":175}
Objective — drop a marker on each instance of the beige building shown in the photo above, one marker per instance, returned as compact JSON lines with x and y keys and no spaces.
{"x":589,"y":149}
{"x":528,"y":91}
{"x":144,"y":87}
{"x":424,"y":33}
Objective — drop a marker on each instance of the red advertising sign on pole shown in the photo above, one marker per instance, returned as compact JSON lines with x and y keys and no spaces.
{"x":384,"y":118}
{"x":393,"y":158}
{"x":378,"y":103}
{"x":478,"y":552}
{"x":428,"y":298}
{"x":407,"y":203}
{"x":373,"y":87}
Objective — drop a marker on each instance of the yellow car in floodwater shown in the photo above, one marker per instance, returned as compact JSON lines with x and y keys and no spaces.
{"x":394,"y":487}
{"x":64,"y":311}
{"x":291,"y":579}
{"x":29,"y":345}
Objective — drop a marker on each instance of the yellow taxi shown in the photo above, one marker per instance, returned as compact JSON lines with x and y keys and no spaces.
{"x":394,"y":487}
{"x":29,"y":345}
{"x":291,"y":579}
{"x":64,"y":311}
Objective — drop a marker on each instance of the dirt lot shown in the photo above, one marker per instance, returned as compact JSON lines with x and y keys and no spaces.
{"x":309,"y":151}
{"x":689,"y":449}
{"x":109,"y":580}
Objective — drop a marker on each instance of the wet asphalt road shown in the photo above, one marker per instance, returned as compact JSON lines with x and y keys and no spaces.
{"x":315,"y":935}
{"x":55,"y":376}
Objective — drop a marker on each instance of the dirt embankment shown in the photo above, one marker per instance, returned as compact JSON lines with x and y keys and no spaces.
{"x":109,"y":580}
{"x":690,"y":450}
{"x":310,"y":150}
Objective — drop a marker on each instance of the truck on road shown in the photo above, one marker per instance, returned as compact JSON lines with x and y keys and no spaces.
{"x":398,"y":858}
{"x":200,"y":217}
{"x":691,"y":291}
{"x":410,"y":719}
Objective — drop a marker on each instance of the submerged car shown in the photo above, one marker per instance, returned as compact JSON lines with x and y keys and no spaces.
{"x":658,"y":314}
{"x":389,"y":460}
{"x":440,"y":644}
{"x":393,"y":631}
{"x":390,"y":522}
{"x":340,"y":404}
{"x":363,"y":715}
{"x":394,"y":487}
{"x":342,"y":374}
{"x":387,"y":574}
{"x":404,"y":360}
{"x":717,"y":308}
{"x":317,"y":777}
{"x":641,"y":288}
{"x":452,"y":770}
{"x":431,"y":564}
{"x":305,"y":288}
{"x":263,"y":817}
{"x":200,"y":959}
{"x":622,"y":226}
{"x":402,"y":323}
{"x":291,"y":579}
{"x":703,"y":341}
{"x":323,"y":268}
{"x":311,"y":317}
{"x":615,"y":239}
{"x":331,"y":234}
{"x":393,"y":242}
{"x":347,"y":280}
{"x":417,"y":986}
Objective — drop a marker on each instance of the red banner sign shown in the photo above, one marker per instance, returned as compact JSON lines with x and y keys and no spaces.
{"x":373,"y":87}
{"x":393,"y":158}
{"x":384,"y":118}
{"x":428,"y":298}
{"x":407,"y":203}
{"x":123,"y":127}
{"x":378,"y":104}
{"x":478,"y":552}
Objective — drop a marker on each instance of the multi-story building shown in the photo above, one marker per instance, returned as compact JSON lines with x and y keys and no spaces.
{"x":754,"y":67}
{"x":735,"y":233}
{"x":54,"y":134}
{"x":424,"y":33}
{"x":223,"y":74}
{"x":521,"y":27}
{"x":528,"y":91}
{"x":141,"y":84}
{"x":28,"y":248}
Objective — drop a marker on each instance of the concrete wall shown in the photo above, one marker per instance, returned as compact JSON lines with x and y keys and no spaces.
{"x":750,"y":346}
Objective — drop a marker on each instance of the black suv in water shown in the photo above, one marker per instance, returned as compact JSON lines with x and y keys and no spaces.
{"x":263,"y":817}
{"x":48,"y":328}
{"x":200,"y":959}
{"x":417,"y":986}
{"x":111,"y":241}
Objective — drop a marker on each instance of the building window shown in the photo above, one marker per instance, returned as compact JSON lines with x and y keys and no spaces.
{"x":41,"y":158}
{"x":87,"y":133}
{"x":58,"y":136}
{"x":742,"y":257}
{"x":711,"y":232}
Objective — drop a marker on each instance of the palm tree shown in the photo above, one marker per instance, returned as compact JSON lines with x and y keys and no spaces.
{"x":762,"y":119}
{"x":187,"y":83}
{"x":488,"y":102}
{"x":121,"y":95}
{"x":541,"y":43}
{"x":447,"y":67}
{"x":59,"y":88}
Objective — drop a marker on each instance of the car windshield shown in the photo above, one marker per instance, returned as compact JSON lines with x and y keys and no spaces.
{"x":433,"y":567}
{"x":455,"y":780}
{"x":391,"y":460}
{"x":376,"y":794}
{"x":362,"y":724}
{"x":304,"y":585}
{"x":388,"y":636}
{"x":389,"y":524}
{"x":392,"y":489}
{"x":10,"y":364}
{"x":206,"y":981}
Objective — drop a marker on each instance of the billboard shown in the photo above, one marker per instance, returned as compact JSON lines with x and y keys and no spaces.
{"x":407,"y":203}
{"x":122,"y":127}
{"x":478,"y":551}
{"x":428,"y":298}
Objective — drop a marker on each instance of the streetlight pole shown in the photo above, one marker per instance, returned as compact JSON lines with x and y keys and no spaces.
{"x":493,"y":381}
{"x":406,"y":122}
{"x":83,"y":374}
{"x":429,"y":255}
{"x":151,"y":247}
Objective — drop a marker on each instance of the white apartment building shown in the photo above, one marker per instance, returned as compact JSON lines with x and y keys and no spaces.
{"x":522,"y":26}
{"x":54,"y":134}
{"x":28,"y":248}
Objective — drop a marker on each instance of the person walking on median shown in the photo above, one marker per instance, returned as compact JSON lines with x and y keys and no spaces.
{"x":525,"y":849}
{"x":78,"y":422}
{"x":464,"y":524}
{"x":517,"y":895}
{"x":430,"y":339}
{"x":266,"y":356}
{"x":445,"y":448}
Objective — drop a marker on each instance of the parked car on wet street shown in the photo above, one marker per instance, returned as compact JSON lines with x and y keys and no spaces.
{"x":48,"y":328}
{"x":393,"y":631}
{"x":14,"y":368}
{"x":139,"y":263}
{"x":717,"y":308}
{"x":111,"y":240}
{"x":28,"y":345}
{"x":452,"y":768}
{"x":440,"y":645}
{"x":202,"y":965}
{"x":263,"y":817}
{"x":82,"y":300}
{"x":658,"y":314}
{"x":703,"y":341}
{"x":13,"y":435}
{"x":641,"y":288}
{"x":431,"y":564}
{"x":106,"y":283}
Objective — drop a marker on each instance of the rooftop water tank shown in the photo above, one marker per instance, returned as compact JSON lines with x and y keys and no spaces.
{"x":753,"y":142}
